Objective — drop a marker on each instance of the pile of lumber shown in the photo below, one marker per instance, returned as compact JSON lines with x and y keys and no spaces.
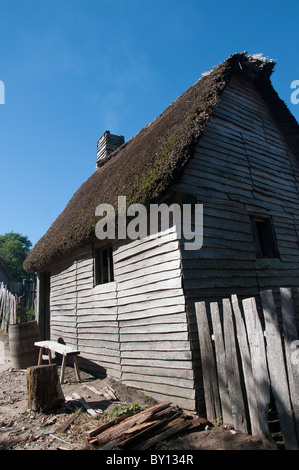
{"x":145,"y":429}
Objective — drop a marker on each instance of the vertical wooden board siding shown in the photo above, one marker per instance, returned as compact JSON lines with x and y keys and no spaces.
{"x":155,"y":353}
{"x":256,"y":428}
{"x":221,"y":366}
{"x":290,"y":334}
{"x":233,"y":371}
{"x":277,"y":371}
{"x":211,"y":391}
{"x":258,"y":362}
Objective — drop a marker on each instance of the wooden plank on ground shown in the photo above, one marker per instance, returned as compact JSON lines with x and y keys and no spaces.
{"x":232,"y":370}
{"x":117,"y":435}
{"x":258,"y":362}
{"x":129,"y":421}
{"x":156,"y":427}
{"x":277,"y":371}
{"x":123,"y":441}
{"x":291,"y":338}
{"x":90,"y":435}
{"x":174,"y":427}
{"x":221,"y":365}
{"x":63,"y":427}
{"x":211,"y":392}
{"x":256,"y":428}
{"x":85,"y":405}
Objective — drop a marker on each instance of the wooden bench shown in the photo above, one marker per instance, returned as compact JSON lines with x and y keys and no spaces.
{"x":60,"y":349}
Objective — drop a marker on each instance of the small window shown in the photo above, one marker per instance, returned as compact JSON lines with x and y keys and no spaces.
{"x":103,"y":265}
{"x":264,"y":237}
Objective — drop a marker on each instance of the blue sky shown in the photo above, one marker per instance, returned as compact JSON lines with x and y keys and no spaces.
{"x":75,"y":68}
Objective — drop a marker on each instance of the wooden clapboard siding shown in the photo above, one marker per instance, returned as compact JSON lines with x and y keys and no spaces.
{"x":97,"y":325}
{"x":142,"y":327}
{"x":85,"y":316}
{"x":154,"y":338}
{"x":134,"y":327}
{"x":241,"y":166}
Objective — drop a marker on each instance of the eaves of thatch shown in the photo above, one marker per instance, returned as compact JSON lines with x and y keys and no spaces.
{"x":143,"y":168}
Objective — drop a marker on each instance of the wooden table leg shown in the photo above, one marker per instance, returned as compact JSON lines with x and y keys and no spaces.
{"x":40,"y":357}
{"x":77,"y":368}
{"x":62,"y":369}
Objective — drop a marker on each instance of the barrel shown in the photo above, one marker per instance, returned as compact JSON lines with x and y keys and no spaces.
{"x":22,"y":337}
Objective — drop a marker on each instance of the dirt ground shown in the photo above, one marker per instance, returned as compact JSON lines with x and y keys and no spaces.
{"x":23,"y":429}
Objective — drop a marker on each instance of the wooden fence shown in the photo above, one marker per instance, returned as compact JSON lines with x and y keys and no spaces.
{"x":26,"y":289}
{"x":8,"y":308}
{"x":248,"y":359}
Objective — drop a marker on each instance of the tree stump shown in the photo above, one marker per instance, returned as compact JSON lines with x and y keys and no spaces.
{"x":43,"y":388}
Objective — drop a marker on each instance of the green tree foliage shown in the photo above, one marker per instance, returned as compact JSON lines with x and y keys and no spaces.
{"x":14,"y":248}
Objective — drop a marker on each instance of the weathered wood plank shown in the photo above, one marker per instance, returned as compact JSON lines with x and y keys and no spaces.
{"x":135,"y":248}
{"x":290,"y":335}
{"x":258,"y":362}
{"x":154,"y":328}
{"x":150,"y":278}
{"x":133,"y":337}
{"x":145,"y":302}
{"x":212,"y":399}
{"x":172,"y":391}
{"x":221,"y":365}
{"x":159,"y":379}
{"x":149,"y":270}
{"x":144,"y":363}
{"x":173,"y":283}
{"x":176,"y":426}
{"x":174,"y":295}
{"x":277,"y":371}
{"x":175,"y":354}
{"x":161,"y":345}
{"x":152,"y":313}
{"x":256,"y":428}
{"x":232,"y":370}
{"x":139,"y":264}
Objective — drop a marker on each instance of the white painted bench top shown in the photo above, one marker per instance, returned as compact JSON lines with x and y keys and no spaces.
{"x":60,"y":349}
{"x":57,"y":347}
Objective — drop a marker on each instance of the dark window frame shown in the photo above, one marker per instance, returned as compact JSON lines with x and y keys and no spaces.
{"x":264,"y":237}
{"x":103,"y":265}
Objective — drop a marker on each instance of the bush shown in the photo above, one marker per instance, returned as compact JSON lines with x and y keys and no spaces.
{"x":30,"y":313}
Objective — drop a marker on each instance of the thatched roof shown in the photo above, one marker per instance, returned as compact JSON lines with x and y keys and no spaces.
{"x":143,"y":168}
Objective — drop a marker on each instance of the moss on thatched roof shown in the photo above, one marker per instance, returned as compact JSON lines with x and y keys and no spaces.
{"x":143,"y":168}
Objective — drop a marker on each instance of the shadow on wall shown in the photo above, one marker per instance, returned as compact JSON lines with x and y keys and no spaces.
{"x":85,"y":365}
